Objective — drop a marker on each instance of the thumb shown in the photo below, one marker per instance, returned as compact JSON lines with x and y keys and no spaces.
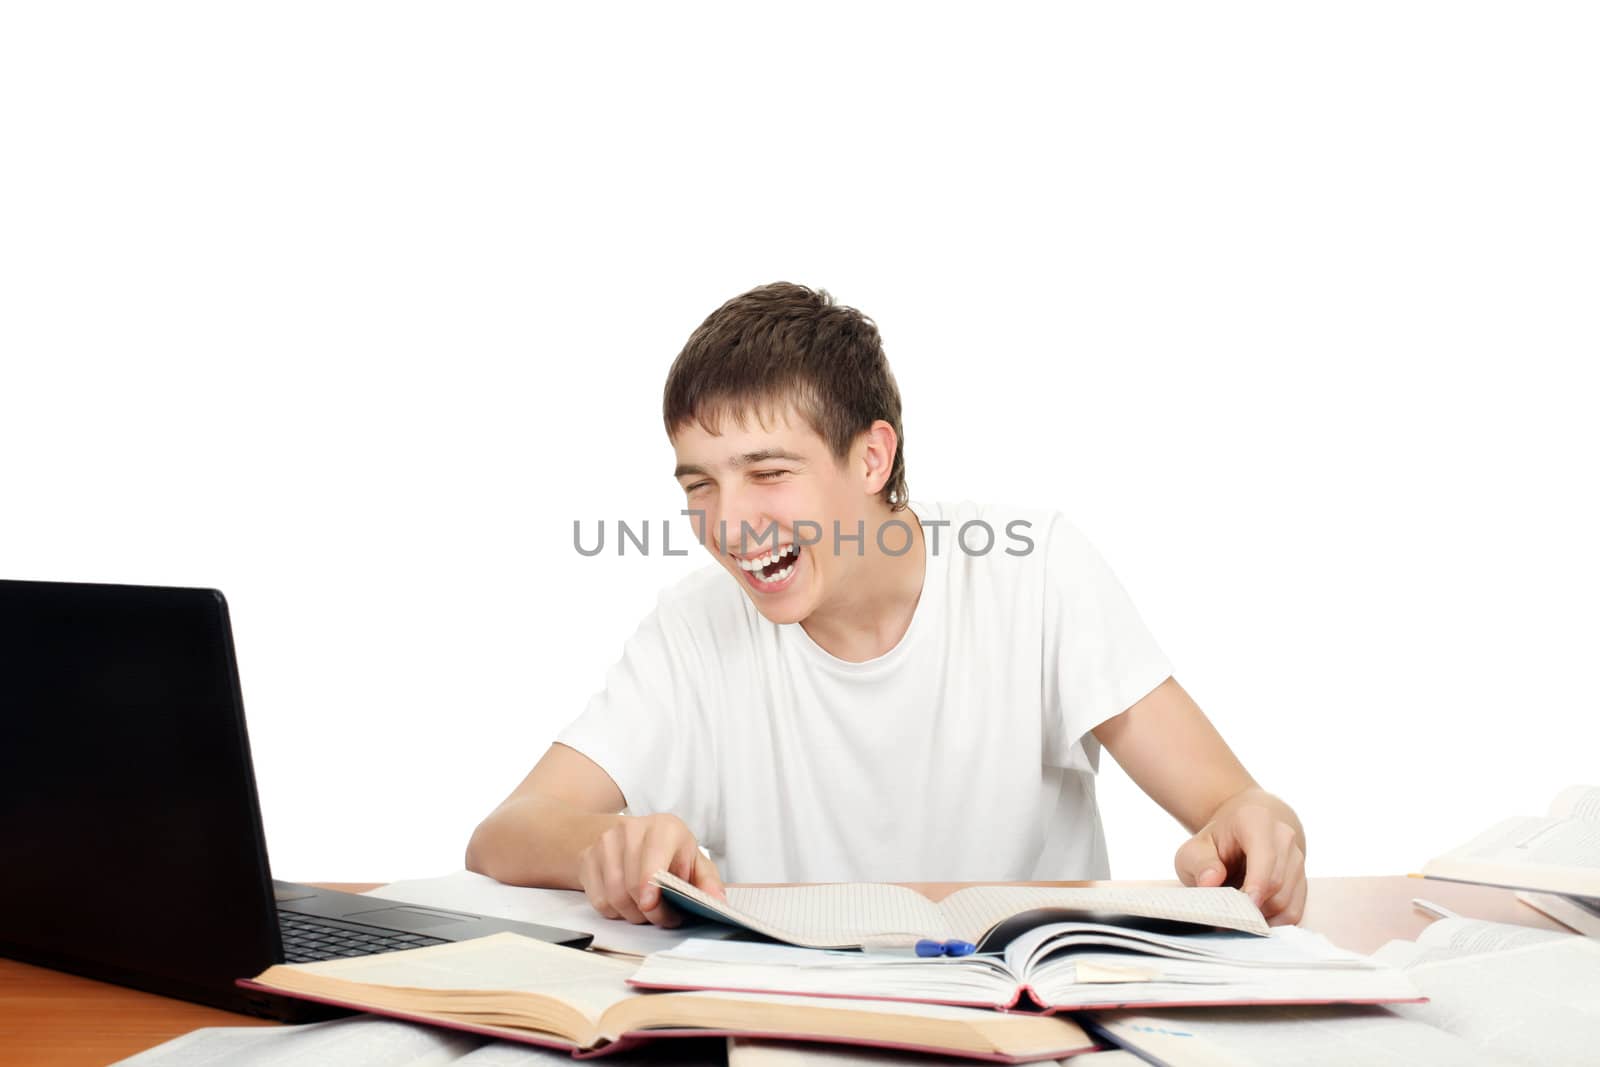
{"x":1198,"y":862}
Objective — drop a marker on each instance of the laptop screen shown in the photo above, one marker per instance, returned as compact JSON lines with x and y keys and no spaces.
{"x":130,"y":835}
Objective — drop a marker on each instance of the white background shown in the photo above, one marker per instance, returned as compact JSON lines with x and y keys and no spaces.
{"x":351,"y":310}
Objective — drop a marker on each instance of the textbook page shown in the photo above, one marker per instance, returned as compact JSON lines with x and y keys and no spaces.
{"x":585,"y":981}
{"x":842,"y":914}
{"x":849,"y":915}
{"x":1577,"y":802}
{"x":1538,"y":1004}
{"x":1447,"y":939}
{"x":973,"y":911}
{"x":1306,"y":1037}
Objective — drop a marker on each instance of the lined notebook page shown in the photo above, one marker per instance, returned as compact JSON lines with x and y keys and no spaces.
{"x":972,"y":912}
{"x":823,"y":916}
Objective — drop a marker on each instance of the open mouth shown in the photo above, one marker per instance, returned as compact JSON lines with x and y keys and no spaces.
{"x":773,"y":570}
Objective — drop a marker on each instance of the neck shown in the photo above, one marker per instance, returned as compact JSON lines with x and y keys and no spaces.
{"x":870,"y":615}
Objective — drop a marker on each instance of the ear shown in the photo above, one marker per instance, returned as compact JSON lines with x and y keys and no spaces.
{"x":876,"y":449}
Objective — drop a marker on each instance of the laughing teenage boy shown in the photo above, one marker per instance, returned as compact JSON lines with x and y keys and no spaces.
{"x":866,"y":688}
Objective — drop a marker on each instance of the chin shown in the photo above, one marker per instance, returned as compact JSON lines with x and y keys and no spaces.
{"x":789,"y":610}
{"x":782,"y":610}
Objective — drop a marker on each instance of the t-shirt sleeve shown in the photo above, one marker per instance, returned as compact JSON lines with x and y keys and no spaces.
{"x":646,"y":727}
{"x":1099,"y":658}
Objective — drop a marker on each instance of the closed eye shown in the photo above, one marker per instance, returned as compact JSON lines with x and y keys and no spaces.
{"x":768,"y":475}
{"x":695,"y":486}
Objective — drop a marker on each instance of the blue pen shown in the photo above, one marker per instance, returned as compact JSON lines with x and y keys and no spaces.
{"x":928,"y":948}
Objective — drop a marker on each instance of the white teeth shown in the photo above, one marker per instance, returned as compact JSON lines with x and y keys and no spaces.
{"x":768,"y":560}
{"x":780,"y":576}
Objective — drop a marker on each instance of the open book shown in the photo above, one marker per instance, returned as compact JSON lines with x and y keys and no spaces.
{"x":871,"y":915}
{"x":1559,"y":853}
{"x":1061,"y":966}
{"x":1498,"y":996}
{"x":515,"y":987}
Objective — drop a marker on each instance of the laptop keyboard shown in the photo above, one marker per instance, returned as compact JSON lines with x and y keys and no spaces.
{"x":307,"y":938}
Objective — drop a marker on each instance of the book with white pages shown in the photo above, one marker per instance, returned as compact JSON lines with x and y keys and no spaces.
{"x":1056,"y":967}
{"x":1531,"y":996}
{"x":531,"y":991}
{"x":878,"y":915}
{"x":1499,"y":995}
{"x":1556,"y":853}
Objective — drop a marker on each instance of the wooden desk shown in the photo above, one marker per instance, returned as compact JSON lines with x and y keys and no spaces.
{"x":50,"y":1018}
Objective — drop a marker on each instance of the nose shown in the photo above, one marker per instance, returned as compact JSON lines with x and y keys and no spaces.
{"x":741,"y":527}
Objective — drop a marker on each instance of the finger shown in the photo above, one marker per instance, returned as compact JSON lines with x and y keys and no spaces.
{"x":1292,"y":878}
{"x":616,"y":885}
{"x":1198,"y":862}
{"x":1283,"y":835}
{"x":1260,"y":857}
{"x":673,"y":853}
{"x":594,"y":884}
{"x":706,"y":875}
{"x":1295,"y":910}
{"x":635,"y":841}
{"x":658,"y":854}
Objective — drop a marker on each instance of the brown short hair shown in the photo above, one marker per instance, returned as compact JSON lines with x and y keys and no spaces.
{"x":784,"y":343}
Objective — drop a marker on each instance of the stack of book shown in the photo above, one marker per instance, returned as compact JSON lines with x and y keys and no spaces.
{"x":840,"y":966}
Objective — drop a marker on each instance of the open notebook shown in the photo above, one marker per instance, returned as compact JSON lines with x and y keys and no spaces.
{"x":1559,"y":853}
{"x":1061,"y":966}
{"x":532,"y":991}
{"x":872,"y":915}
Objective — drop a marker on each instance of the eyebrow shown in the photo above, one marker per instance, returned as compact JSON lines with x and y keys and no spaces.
{"x":761,"y":455}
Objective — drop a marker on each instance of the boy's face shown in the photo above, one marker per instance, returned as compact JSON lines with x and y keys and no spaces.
{"x":781,"y":477}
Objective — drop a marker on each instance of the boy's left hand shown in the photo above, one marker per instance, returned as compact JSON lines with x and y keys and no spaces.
{"x":1254,"y":842}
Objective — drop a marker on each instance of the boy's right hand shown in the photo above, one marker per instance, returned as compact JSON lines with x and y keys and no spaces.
{"x":615,"y":871}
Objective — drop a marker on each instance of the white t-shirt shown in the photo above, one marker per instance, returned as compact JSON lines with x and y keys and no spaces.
{"x":961,"y":754}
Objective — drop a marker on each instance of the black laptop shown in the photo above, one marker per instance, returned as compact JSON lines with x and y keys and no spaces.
{"x":131,"y":847}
